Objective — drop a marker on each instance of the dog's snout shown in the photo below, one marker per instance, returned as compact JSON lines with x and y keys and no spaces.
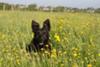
{"x":41,"y":43}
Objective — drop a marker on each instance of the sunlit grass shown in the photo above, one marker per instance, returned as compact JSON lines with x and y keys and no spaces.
{"x":74,"y":37}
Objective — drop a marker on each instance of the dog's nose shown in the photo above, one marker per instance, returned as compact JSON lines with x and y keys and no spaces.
{"x":41,"y":43}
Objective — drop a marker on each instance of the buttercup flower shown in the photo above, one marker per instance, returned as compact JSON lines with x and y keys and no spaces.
{"x":89,"y":65}
{"x":57,"y":37}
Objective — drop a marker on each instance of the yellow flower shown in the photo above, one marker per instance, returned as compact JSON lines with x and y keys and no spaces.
{"x":53,"y":54}
{"x":74,"y":65}
{"x":42,"y":49}
{"x":75,"y":54}
{"x":99,"y":54}
{"x":60,"y":53}
{"x":60,"y":27}
{"x":46,"y":52}
{"x":64,"y":52}
{"x":3,"y":36}
{"x":54,"y":51}
{"x":89,"y":65}
{"x":62,"y":20}
{"x":18,"y":61}
{"x":75,"y":49}
{"x":47,"y":45}
{"x":57,"y":37}
{"x":1,"y":59}
{"x":62,"y":65}
{"x":81,"y":32}
{"x":11,"y":58}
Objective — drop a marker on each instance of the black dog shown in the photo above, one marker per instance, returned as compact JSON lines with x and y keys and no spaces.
{"x":40,"y":41}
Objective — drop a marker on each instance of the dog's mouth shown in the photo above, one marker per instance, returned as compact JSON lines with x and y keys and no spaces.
{"x":41,"y":43}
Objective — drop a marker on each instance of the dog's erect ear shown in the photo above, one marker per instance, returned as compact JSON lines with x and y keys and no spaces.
{"x":35,"y":26}
{"x":46,"y":24}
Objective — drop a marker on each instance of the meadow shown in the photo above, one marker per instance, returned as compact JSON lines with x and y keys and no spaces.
{"x":74,"y":37}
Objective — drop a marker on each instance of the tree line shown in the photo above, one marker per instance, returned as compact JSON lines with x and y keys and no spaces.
{"x":34,"y":7}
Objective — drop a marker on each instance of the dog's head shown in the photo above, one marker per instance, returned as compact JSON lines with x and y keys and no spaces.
{"x":41,"y":35}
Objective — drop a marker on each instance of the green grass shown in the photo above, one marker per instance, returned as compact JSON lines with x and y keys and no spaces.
{"x":74,"y":36}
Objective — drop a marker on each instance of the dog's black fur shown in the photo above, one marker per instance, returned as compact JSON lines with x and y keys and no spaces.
{"x":41,"y":37}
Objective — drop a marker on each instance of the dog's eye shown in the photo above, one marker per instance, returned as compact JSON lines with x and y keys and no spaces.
{"x":44,"y":32}
{"x":38,"y":32}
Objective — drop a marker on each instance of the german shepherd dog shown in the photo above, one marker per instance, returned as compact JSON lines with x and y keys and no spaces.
{"x":40,"y":41}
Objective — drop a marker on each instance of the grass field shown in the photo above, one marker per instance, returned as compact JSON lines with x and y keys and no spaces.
{"x":74,"y":36}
